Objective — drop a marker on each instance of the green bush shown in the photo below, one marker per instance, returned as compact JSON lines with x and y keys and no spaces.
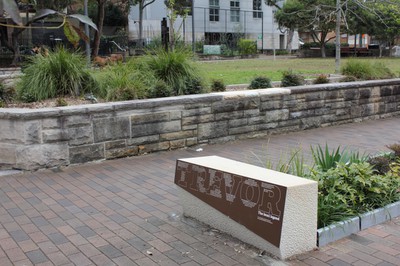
{"x":247,"y":47}
{"x":289,"y":78}
{"x":124,"y":82}
{"x":321,"y":79}
{"x":176,"y":68}
{"x":365,"y":70}
{"x":260,"y":82}
{"x":59,"y":74}
{"x":160,"y":89}
{"x":350,"y":189}
{"x":7,"y":94}
{"x":218,"y":85}
{"x":281,"y":52}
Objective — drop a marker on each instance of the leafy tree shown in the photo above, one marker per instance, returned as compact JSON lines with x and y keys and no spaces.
{"x":142,"y":5}
{"x":386,"y":26}
{"x":315,"y":16}
{"x":11,"y":7}
{"x":288,"y":22}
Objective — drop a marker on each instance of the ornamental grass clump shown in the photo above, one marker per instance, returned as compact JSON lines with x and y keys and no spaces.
{"x":176,"y":68}
{"x":60,"y":73}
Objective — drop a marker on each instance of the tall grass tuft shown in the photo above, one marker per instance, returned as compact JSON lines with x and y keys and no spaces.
{"x":58,"y":74}
{"x":365,"y":70}
{"x":123,"y":82}
{"x":176,"y":68}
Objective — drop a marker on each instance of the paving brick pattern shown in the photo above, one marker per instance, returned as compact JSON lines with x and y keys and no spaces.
{"x":126,"y":211}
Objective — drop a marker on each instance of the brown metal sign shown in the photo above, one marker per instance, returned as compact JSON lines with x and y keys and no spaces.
{"x":257,"y":205}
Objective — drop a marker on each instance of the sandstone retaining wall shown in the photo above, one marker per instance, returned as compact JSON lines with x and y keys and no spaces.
{"x":33,"y":139}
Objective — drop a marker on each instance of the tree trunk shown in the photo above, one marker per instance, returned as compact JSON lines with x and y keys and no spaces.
{"x":140,"y":44}
{"x":323,"y":53}
{"x":100,"y":20}
{"x":289,"y":41}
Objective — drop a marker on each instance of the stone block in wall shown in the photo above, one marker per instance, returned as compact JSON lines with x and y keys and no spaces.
{"x":229,"y":115}
{"x":155,"y":128}
{"x":251,"y":113}
{"x":12,"y":131}
{"x":276,"y":115}
{"x":391,"y":107}
{"x":314,"y":96}
{"x":235,"y":105}
{"x":54,"y":135}
{"x":212,"y":130}
{"x":256,"y":120}
{"x":41,"y":156}
{"x":238,"y":122}
{"x":271,"y":105}
{"x":86,"y":153}
{"x":242,"y":130}
{"x":155,"y":117}
{"x":355,"y":111}
{"x":190,"y":120}
{"x":365,"y":93}
{"x":191,"y":141}
{"x":367,"y":109}
{"x":177,"y":135}
{"x":111,"y":129}
{"x":77,"y":120}
{"x":52,"y":123}
{"x":121,"y":152}
{"x":7,"y":154}
{"x":385,"y":91}
{"x":350,"y":94}
{"x":310,"y":122}
{"x":177,"y":144}
{"x":196,"y":111}
{"x":81,"y":135}
{"x":222,"y":139}
{"x":115,"y":144}
{"x":153,"y":147}
{"x":143,"y":140}
{"x":332,"y":94}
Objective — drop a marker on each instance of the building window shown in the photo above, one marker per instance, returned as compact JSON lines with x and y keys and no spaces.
{"x":257,"y":9}
{"x":214,"y":10}
{"x":235,"y":11}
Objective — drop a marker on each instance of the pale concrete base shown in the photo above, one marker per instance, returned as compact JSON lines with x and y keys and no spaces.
{"x":296,"y":238}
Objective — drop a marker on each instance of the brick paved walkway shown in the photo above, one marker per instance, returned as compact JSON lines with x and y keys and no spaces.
{"x":126,"y":212}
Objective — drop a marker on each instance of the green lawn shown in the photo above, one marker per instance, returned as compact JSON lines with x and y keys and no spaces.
{"x":243,"y":71}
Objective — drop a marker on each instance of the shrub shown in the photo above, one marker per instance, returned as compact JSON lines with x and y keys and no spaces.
{"x":218,"y":85}
{"x":349,"y":189}
{"x":395,"y":148}
{"x":365,"y":70}
{"x":176,"y":68}
{"x":281,"y":52}
{"x":194,"y":86}
{"x":381,"y":163}
{"x":289,"y":78}
{"x":160,"y":89}
{"x":124,"y":82}
{"x":7,"y":94}
{"x":260,"y":82}
{"x":58,"y":74}
{"x":247,"y":47}
{"x":321,"y":79}
{"x":358,"y":69}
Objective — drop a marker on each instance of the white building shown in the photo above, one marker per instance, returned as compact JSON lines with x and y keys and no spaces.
{"x":215,"y":21}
